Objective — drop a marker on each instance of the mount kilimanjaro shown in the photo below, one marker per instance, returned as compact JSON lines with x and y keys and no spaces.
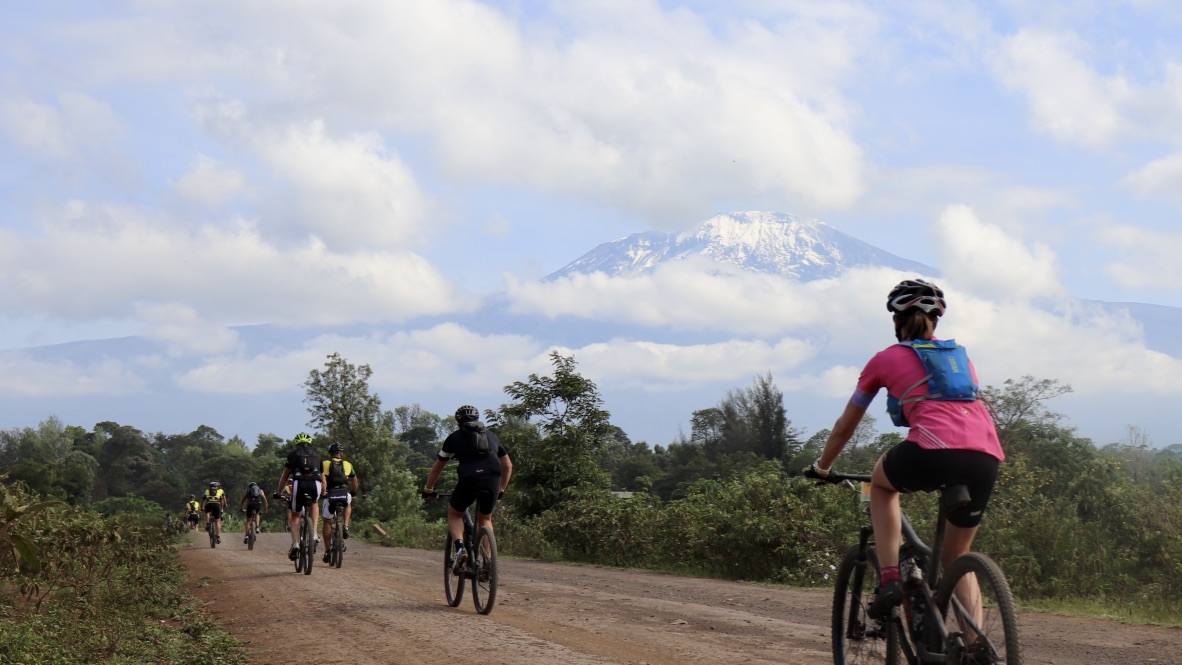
{"x":767,"y":242}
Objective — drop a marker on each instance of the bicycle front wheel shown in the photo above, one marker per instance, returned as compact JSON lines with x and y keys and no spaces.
{"x":308,"y":543}
{"x":858,"y":639}
{"x":484,"y":578}
{"x":453,"y":584}
{"x":338,"y":543}
{"x":975,"y":600}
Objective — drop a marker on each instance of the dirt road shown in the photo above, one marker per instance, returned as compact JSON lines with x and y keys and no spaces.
{"x":386,"y":606}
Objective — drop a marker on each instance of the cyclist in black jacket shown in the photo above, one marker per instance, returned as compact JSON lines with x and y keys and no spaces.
{"x":484,"y":471}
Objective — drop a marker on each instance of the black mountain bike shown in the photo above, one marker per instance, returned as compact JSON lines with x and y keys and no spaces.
{"x":480,"y":566}
{"x":306,"y":552}
{"x":940,"y":620}
{"x":250,"y":530}
{"x":336,"y":546}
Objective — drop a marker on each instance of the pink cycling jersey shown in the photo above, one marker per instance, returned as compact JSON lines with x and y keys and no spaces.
{"x":934,"y":424}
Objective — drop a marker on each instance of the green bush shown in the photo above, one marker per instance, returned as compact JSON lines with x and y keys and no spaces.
{"x":103,"y":590}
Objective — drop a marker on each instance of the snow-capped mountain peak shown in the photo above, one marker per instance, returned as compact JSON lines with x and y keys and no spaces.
{"x":771,"y":242}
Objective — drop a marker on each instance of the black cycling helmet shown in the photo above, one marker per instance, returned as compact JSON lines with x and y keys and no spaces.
{"x":213,"y":484}
{"x":253,"y":484}
{"x":916,"y":293}
{"x":467,"y":413}
{"x":192,"y":497}
{"x":335,"y":448}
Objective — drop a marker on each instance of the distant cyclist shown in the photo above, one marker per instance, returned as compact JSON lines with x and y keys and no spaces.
{"x":254,"y":499}
{"x":303,"y":467}
{"x":341,"y":479}
{"x":193,"y":509}
{"x":215,"y":503}
{"x":484,"y":471}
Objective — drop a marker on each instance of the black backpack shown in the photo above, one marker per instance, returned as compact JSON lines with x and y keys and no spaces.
{"x":480,"y":445}
{"x":304,"y":461}
{"x":254,"y":492}
{"x":336,"y":474}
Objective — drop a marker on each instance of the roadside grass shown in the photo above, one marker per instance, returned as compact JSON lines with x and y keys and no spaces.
{"x":1145,"y":613}
{"x":101,"y":590}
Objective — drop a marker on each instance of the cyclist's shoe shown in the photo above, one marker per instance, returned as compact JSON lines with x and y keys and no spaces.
{"x":327,"y":556}
{"x":246,"y":540}
{"x":294,"y":552}
{"x":316,"y":539}
{"x":346,"y":532}
{"x":219,"y":540}
{"x":461,"y":559}
{"x":889,"y":595}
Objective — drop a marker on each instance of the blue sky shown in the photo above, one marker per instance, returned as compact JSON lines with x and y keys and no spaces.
{"x":173,"y":169}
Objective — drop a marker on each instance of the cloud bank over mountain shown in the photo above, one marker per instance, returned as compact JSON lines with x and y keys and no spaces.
{"x":703,"y":311}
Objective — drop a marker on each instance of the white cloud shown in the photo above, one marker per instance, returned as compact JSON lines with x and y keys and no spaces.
{"x":1161,"y":178}
{"x":686,"y":295}
{"x":983,"y":258}
{"x":351,"y":192}
{"x":24,"y":376}
{"x":77,"y":124}
{"x":101,"y":261}
{"x":181,"y":331}
{"x":620,"y":104}
{"x":210,"y":182}
{"x":1068,"y":99}
{"x":1153,"y":257}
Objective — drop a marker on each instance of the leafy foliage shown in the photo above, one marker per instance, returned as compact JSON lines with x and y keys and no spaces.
{"x":104,"y":590}
{"x":341,"y":405}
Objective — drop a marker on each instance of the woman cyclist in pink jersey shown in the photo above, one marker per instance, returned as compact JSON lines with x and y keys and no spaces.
{"x":948,"y":441}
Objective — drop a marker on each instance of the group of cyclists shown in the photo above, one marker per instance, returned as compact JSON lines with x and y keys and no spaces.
{"x":484,"y":469}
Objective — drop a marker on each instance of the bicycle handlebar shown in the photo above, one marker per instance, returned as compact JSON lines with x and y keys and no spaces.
{"x":838,"y":478}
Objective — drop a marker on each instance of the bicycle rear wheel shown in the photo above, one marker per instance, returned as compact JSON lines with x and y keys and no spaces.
{"x":453,"y":584}
{"x":250,"y":535}
{"x":858,"y":639}
{"x":484,"y":578}
{"x":213,"y":538}
{"x":990,"y":632}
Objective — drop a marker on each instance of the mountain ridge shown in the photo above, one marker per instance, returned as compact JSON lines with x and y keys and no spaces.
{"x":759,"y":241}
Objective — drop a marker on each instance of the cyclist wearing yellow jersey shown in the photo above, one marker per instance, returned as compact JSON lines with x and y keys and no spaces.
{"x":215,"y":501}
{"x":193,"y":509}
{"x":341,"y":479}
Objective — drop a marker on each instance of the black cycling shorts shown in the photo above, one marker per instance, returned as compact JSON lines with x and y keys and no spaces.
{"x":214,"y":510}
{"x":194,"y":517}
{"x":911,"y":468}
{"x":483,"y":491}
{"x":253,"y":507}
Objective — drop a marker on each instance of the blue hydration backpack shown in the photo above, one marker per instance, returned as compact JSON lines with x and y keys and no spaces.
{"x":949,"y":377}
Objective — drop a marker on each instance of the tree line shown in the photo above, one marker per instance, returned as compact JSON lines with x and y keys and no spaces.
{"x":1069,"y":518}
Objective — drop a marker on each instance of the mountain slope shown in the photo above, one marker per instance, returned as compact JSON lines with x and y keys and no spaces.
{"x":770,"y":242}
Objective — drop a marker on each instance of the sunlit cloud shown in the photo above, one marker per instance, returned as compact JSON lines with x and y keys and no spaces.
{"x":210,"y":182}
{"x":24,"y":376}
{"x":1152,"y":257}
{"x":1067,"y":98}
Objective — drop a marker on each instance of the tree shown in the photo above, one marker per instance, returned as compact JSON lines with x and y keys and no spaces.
{"x":751,"y":420}
{"x":561,"y":450}
{"x":342,"y":406}
{"x":1022,"y":403}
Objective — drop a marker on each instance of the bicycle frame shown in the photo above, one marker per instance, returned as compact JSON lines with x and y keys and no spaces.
{"x":935,"y":644}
